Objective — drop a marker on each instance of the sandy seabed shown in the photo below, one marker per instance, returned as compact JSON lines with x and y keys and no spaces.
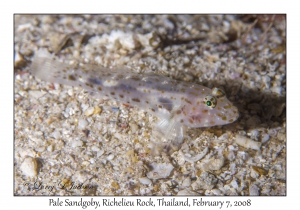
{"x":68,"y":142}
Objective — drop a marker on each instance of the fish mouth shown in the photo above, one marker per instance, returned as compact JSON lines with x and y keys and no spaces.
{"x":234,"y":113}
{"x":230,"y":115}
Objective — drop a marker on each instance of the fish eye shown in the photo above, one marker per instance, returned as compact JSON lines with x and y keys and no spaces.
{"x":210,"y":101}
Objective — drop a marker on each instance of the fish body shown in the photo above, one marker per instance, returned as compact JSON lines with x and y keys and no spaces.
{"x":176,"y":103}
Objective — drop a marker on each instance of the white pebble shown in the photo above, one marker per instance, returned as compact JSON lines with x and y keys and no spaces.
{"x":231,"y":148}
{"x":71,"y":92}
{"x":144,"y":39}
{"x":266,"y":79}
{"x":56,"y":87}
{"x":216,"y":191}
{"x":77,"y":143}
{"x":253,"y":190}
{"x":82,"y":123}
{"x":25,"y":152}
{"x":39,"y":133}
{"x":36,"y":94}
{"x":29,"y":167}
{"x":265,"y":138}
{"x":92,"y":160}
{"x":76,"y":53}
{"x":232,"y":168}
{"x":223,"y":137}
{"x":196,"y":157}
{"x":56,"y":134}
{"x":23,"y":93}
{"x":186,"y":182}
{"x":213,"y":164}
{"x":243,"y":155}
{"x":281,"y":136}
{"x":50,"y":148}
{"x":231,"y":156}
{"x":180,"y":159}
{"x":38,"y":140}
{"x":68,"y":171}
{"x":253,"y":133}
{"x":84,"y":107}
{"x":100,"y":153}
{"x":205,"y":27}
{"x":95,"y":148}
{"x":234,"y":184}
{"x":145,"y":181}
{"x":276,"y":89}
{"x":23,"y":27}
{"x":133,"y":127}
{"x":82,"y":176}
{"x":110,"y":157}
{"x":40,"y":149}
{"x":160,"y":170}
{"x":206,"y":181}
{"x":247,"y":143}
{"x":89,"y":111}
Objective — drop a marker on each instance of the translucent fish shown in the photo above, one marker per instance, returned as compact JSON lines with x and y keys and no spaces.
{"x":177,"y":104}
